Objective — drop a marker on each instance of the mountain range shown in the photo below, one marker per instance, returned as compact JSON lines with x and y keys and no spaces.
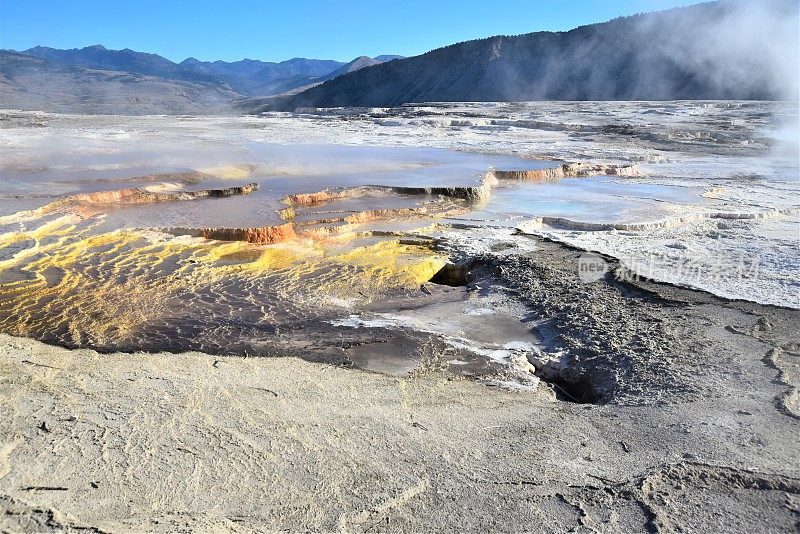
{"x":95,"y":79}
{"x":728,"y":49}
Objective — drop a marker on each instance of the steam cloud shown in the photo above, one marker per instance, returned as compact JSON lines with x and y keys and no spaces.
{"x":752,"y":47}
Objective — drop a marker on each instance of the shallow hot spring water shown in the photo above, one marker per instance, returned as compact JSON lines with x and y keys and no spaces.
{"x":342,"y":276}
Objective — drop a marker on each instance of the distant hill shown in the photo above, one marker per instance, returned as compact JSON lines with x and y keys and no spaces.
{"x":100,"y":58}
{"x":29,"y":82}
{"x":717,"y":50}
{"x":301,"y":83}
{"x":357,"y":64}
{"x":244,"y":68}
{"x":253,"y":77}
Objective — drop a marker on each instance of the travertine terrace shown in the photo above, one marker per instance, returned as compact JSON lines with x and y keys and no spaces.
{"x":576,"y":316}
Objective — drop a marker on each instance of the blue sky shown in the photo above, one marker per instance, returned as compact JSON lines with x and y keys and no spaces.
{"x":274,"y":31}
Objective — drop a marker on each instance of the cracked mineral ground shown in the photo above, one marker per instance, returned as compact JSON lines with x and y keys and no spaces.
{"x":520,"y":317}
